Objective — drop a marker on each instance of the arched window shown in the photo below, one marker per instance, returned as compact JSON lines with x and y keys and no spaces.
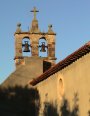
{"x":60,"y":84}
{"x":43,"y":49}
{"x":26,"y":49}
{"x":60,"y":88}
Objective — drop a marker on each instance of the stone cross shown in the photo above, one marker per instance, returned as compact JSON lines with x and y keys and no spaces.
{"x":34,"y":11}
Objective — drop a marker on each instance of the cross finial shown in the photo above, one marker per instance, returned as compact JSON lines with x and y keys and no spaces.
{"x":34,"y":11}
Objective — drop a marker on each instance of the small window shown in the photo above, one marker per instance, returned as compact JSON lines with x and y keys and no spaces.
{"x":61,"y":84}
{"x":60,"y":87}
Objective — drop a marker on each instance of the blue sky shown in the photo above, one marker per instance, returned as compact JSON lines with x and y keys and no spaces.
{"x":70,"y":20}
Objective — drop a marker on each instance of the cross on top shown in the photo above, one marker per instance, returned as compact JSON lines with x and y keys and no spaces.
{"x":34,"y":11}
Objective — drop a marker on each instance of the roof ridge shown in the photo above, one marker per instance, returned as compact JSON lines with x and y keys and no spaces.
{"x":88,"y":43}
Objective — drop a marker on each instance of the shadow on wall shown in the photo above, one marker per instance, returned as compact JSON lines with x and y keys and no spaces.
{"x":19,"y":101}
{"x":51,"y":110}
{"x":65,"y":108}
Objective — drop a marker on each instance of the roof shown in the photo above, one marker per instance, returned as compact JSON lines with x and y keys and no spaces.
{"x":62,"y":64}
{"x":24,"y":73}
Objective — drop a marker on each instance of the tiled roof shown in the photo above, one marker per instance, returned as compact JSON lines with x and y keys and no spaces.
{"x":64,"y":63}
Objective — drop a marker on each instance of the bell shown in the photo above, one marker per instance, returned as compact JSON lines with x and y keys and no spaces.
{"x":43,"y":47}
{"x":26,"y":47}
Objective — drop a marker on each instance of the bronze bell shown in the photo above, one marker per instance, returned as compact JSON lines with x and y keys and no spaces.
{"x":43,"y":47}
{"x":26,"y":47}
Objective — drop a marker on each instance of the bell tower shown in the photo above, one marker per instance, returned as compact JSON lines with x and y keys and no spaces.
{"x":34,"y":35}
{"x":30,"y":49}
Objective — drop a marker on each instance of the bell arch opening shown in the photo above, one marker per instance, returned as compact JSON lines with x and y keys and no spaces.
{"x":43,"y":47}
{"x":26,"y":47}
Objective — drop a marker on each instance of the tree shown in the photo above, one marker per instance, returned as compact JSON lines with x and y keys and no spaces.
{"x":19,"y":101}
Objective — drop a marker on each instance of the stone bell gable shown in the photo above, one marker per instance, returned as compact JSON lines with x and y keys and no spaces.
{"x":34,"y":35}
{"x":29,"y":45}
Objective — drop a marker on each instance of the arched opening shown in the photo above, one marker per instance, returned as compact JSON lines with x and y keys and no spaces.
{"x":60,"y":84}
{"x":26,"y":49}
{"x":43,"y":48}
{"x":61,"y":87}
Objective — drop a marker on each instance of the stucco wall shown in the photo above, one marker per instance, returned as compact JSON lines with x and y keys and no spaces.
{"x":48,"y":91}
{"x":77,"y":79}
{"x":74,"y":78}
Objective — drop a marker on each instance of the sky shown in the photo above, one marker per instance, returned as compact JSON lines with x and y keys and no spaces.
{"x":70,"y":20}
